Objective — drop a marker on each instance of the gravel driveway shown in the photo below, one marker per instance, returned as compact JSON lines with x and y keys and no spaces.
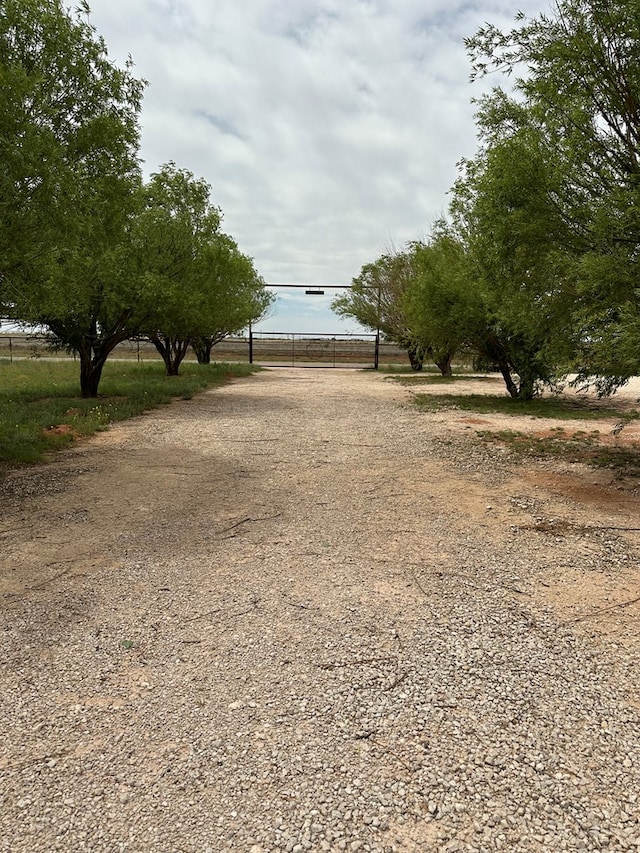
{"x":296,"y":614}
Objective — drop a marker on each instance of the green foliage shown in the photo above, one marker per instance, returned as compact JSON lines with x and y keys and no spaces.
{"x":518,"y":294}
{"x":37,"y":398}
{"x":85,"y":250}
{"x":68,"y":177}
{"x":538,"y":270}
{"x":376,"y":297}
{"x":581,"y":94}
{"x":383,"y":298}
{"x":205,"y":288}
{"x":539,"y":407}
{"x":438,"y":304}
{"x":68,"y":137}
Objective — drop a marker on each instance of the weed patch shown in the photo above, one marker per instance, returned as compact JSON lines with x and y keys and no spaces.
{"x":40,"y":409}
{"x":580,"y":446}
{"x":559,"y":408}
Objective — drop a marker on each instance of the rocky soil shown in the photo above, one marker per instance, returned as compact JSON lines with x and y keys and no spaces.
{"x":298,"y":614}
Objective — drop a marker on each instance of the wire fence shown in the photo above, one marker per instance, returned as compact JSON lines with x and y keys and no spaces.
{"x":15,"y":347}
{"x":266,"y":348}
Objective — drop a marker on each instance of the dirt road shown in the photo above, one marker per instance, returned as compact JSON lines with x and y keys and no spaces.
{"x":297,"y":614}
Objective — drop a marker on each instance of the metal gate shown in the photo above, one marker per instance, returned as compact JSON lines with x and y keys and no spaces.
{"x":273,"y":349}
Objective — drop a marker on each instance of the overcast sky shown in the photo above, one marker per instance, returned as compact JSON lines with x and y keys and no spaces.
{"x":329,"y":130}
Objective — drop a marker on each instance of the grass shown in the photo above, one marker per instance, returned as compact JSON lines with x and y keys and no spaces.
{"x":405,"y":370}
{"x":579,"y":446}
{"x":560,"y":408}
{"x":40,"y":409}
{"x":558,"y":444}
{"x":438,"y":379}
{"x":575,"y":446}
{"x":429,"y":372}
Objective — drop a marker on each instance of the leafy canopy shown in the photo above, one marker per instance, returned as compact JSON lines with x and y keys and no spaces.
{"x":68,"y":141}
{"x":581,"y":92}
{"x":204,"y":287}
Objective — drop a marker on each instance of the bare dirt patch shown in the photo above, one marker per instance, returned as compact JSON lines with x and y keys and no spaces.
{"x":62,"y":429}
{"x":583,"y":491}
{"x":113,"y":489}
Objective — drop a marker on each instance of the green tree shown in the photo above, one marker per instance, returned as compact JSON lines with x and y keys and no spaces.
{"x":205,"y":288}
{"x":69,"y":174}
{"x":377,"y":299}
{"x":519,"y":290}
{"x":438,"y":304}
{"x":236,"y":295}
{"x":582,"y":90}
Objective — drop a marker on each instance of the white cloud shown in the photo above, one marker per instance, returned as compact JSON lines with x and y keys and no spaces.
{"x":328,"y":129}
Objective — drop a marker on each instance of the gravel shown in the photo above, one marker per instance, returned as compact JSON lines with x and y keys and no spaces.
{"x":292,"y":621}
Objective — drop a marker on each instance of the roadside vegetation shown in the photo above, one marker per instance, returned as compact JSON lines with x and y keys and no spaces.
{"x":90,"y":251}
{"x":415,"y":380}
{"x":535,"y":266}
{"x":573,"y":408}
{"x":581,"y":446}
{"x":595,"y":447}
{"x":40,"y":409}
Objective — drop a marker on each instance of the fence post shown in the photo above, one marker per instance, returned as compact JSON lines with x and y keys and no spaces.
{"x":376,"y":354}
{"x":10,"y":350}
{"x":250,"y":344}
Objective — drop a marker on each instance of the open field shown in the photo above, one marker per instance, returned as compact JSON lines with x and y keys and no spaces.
{"x":36,"y":347}
{"x":268,"y":348}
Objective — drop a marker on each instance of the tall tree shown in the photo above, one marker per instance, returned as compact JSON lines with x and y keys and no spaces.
{"x":236,"y":296}
{"x":69,"y":174}
{"x":517,"y":261}
{"x":438,"y":304}
{"x":205,"y":288}
{"x":582,"y":89}
{"x":377,"y":300}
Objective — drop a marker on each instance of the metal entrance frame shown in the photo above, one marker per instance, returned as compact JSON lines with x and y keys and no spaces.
{"x":295,"y":349}
{"x":330,"y":349}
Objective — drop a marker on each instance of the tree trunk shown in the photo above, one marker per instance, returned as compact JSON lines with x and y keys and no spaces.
{"x":494,"y":351}
{"x":92,"y":344}
{"x":172,"y":350}
{"x":444,"y":364}
{"x":512,"y":388}
{"x":202,"y":348}
{"x":527,"y":389}
{"x":171,"y":368}
{"x":90,"y":373}
{"x":415,"y":357}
